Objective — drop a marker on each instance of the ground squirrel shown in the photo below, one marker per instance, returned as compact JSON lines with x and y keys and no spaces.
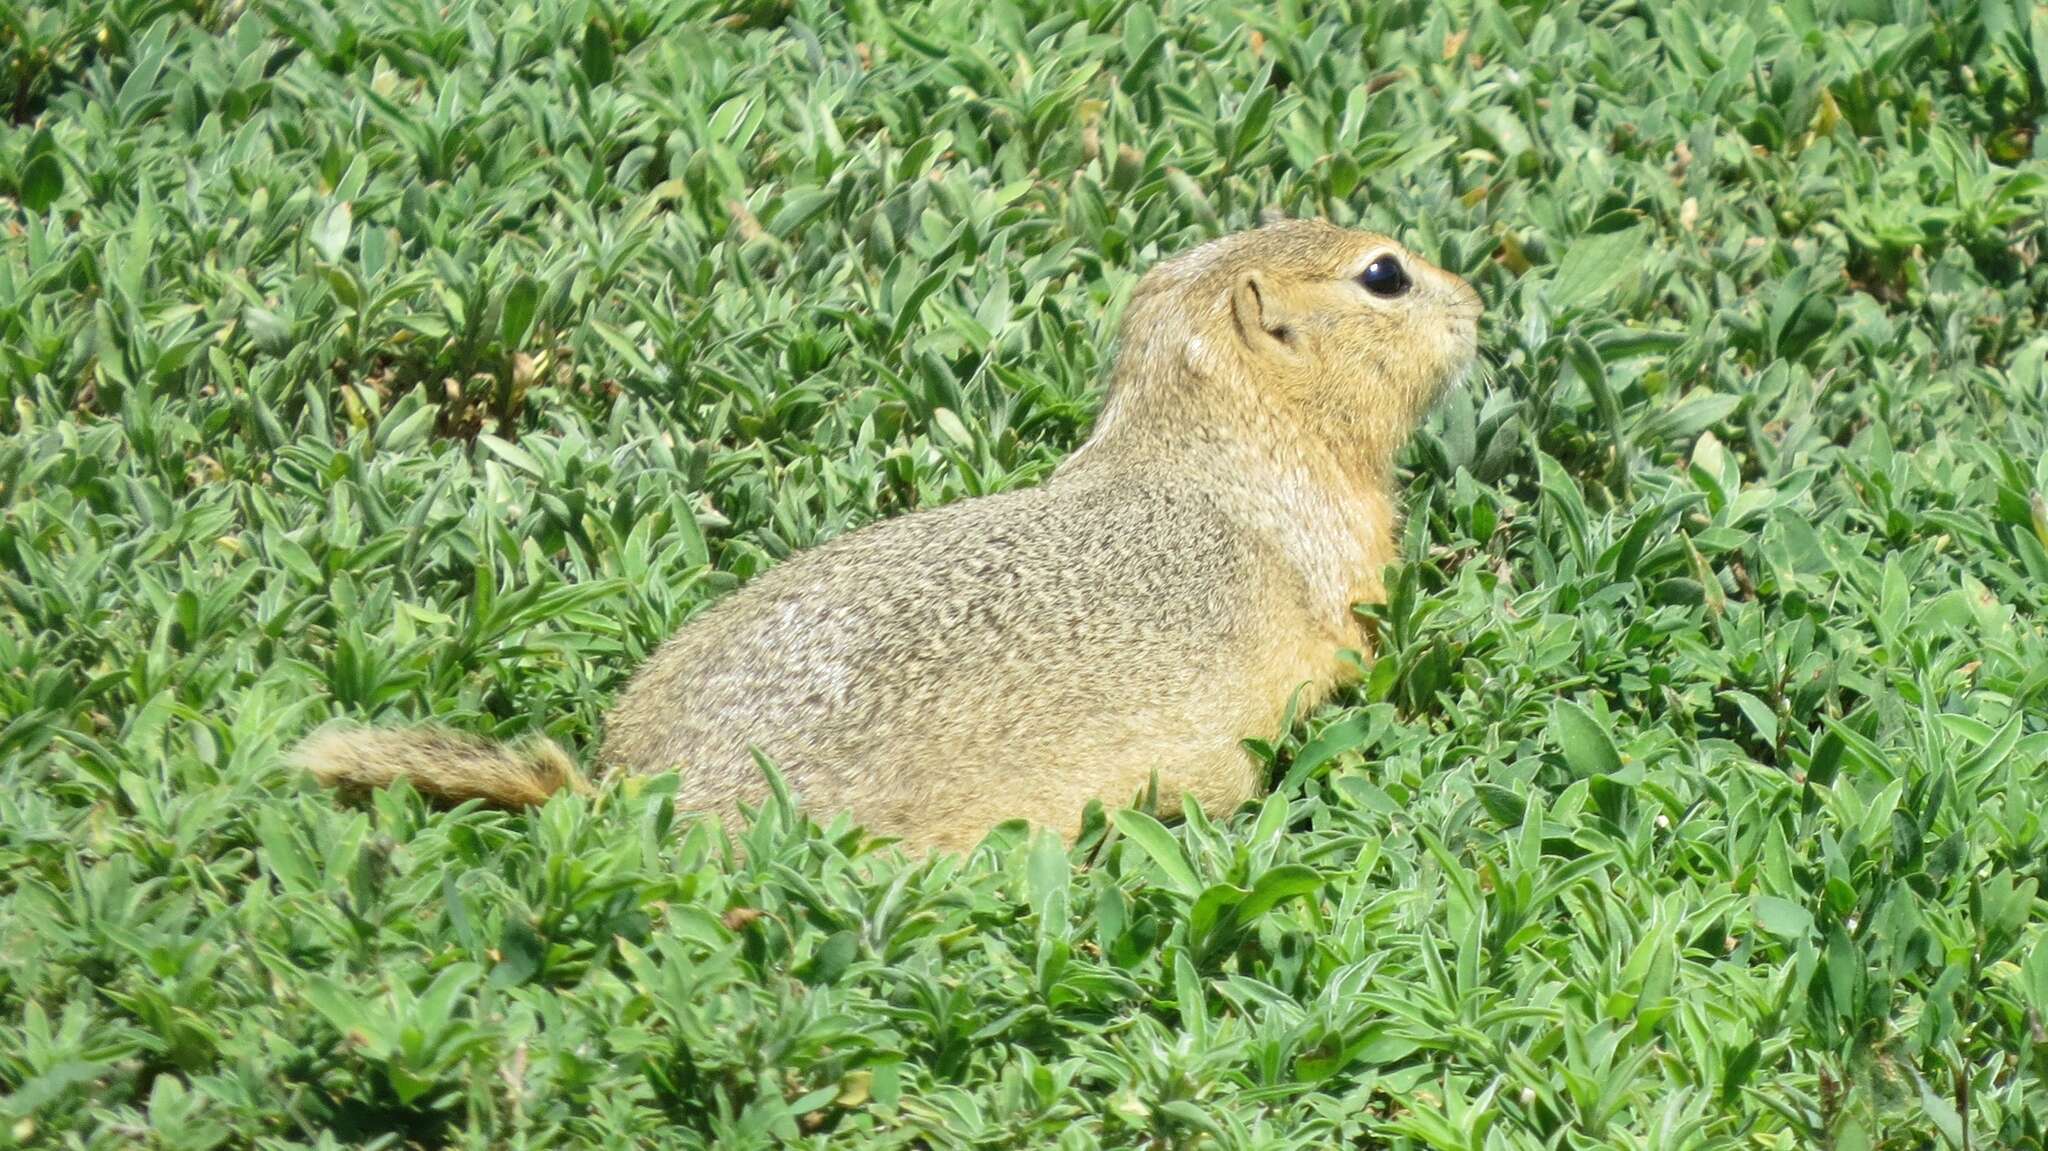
{"x":1158,"y":599}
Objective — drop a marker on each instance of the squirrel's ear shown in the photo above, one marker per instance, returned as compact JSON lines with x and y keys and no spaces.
{"x":1260,"y":323}
{"x":1272,"y":214}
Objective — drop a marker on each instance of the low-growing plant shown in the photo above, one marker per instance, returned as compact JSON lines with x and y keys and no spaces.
{"x":410,"y":362}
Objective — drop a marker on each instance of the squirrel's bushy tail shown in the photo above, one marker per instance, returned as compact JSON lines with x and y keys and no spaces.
{"x":441,"y":764}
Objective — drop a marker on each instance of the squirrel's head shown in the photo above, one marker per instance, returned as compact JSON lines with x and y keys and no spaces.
{"x":1347,"y":329}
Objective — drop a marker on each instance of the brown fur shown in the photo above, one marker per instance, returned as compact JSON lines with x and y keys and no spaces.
{"x":1153,"y":603}
{"x":446,"y":765}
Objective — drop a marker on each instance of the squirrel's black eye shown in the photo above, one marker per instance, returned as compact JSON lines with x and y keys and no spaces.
{"x":1385,"y":277}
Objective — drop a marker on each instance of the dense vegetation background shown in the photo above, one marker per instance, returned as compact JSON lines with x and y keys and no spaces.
{"x":393,"y":359}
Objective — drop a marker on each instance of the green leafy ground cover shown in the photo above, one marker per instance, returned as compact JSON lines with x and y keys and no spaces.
{"x":396,"y":359}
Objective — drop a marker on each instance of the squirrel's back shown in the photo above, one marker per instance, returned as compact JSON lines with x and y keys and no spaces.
{"x":935,"y":669}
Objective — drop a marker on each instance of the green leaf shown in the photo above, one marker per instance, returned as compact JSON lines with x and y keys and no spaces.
{"x":407,"y":1084}
{"x":1587,"y":746}
{"x":1783,"y":918}
{"x":512,"y":454}
{"x":281,"y":848}
{"x":800,"y":209}
{"x":1345,"y":735}
{"x":2034,"y":975}
{"x":909,"y":310}
{"x":951,"y":429}
{"x":329,"y":233}
{"x":1945,"y":1116}
{"x":267,"y":330}
{"x":1593,"y":266}
{"x":1278,"y":885}
{"x":1738,"y":1064}
{"x":42,"y":181}
{"x":597,"y":54}
{"x":515,"y":316}
{"x":636,"y":360}
{"x":833,"y":957}
{"x":521,"y":952}
{"x":1152,"y":837}
{"x":345,"y":1013}
{"x":1193,"y":1003}
{"x":1504,"y":806}
{"x":1048,"y":875}
{"x":293,"y":558}
{"x":1217,"y":905}
{"x":1689,"y":417}
{"x":1189,"y":1114}
{"x":1757,"y":712}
